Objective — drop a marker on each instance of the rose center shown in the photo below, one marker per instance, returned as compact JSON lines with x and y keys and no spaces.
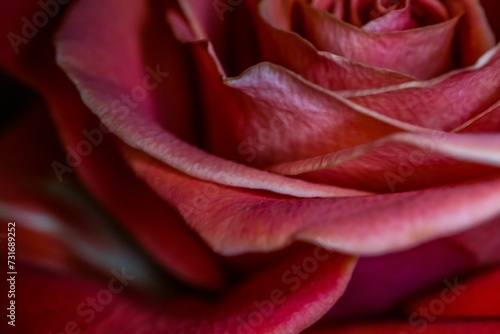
{"x":382,"y":7}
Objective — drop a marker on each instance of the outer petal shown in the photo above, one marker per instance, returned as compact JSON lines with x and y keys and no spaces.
{"x":57,"y":225}
{"x":477,"y":296}
{"x":474,"y":34}
{"x":153,"y":223}
{"x":326,"y":121}
{"x":265,"y":303}
{"x":442,"y":103}
{"x":487,"y":121}
{"x":404,"y":327}
{"x":402,"y":276}
{"x":240,"y":221}
{"x":404,"y":161}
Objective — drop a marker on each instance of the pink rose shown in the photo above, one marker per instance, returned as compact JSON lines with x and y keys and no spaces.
{"x":272,"y":166}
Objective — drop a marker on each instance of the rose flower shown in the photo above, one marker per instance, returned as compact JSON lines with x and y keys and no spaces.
{"x":232,"y":166}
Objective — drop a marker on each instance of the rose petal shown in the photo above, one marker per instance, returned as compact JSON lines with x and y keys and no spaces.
{"x":477,"y":297}
{"x":56,"y":225}
{"x":296,"y":302}
{"x":378,"y":224}
{"x":430,"y":11}
{"x":336,"y":7}
{"x":323,"y":68}
{"x":405,"y":327}
{"x":146,"y":216}
{"x":91,"y":71}
{"x":257,"y":132}
{"x":395,"y":20}
{"x":223,"y":24}
{"x":463,"y":94}
{"x":404,"y":161}
{"x":279,"y":101}
{"x":487,"y":121}
{"x":491,"y":8}
{"x":474,"y":34}
{"x":399,"y":276}
{"x":409,"y":50}
{"x":425,"y":11}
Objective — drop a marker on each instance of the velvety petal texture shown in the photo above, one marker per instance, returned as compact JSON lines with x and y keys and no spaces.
{"x":133,"y":126}
{"x":239,"y":219}
{"x":254,"y":166}
{"x":403,"y":161}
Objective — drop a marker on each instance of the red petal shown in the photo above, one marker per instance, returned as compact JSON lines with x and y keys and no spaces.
{"x":404,"y":161}
{"x":395,"y":20}
{"x":275,"y":100}
{"x":336,"y":7}
{"x":487,"y":121}
{"x":442,"y":103}
{"x":146,"y":216}
{"x":325,"y":69}
{"x":250,"y":123}
{"x":238,"y":219}
{"x":398,"y":276}
{"x":405,"y":327}
{"x":410,"y":51}
{"x":477,"y":297}
{"x":57,"y":226}
{"x":92,"y":71}
{"x":287,"y":298}
{"x":491,"y":8}
{"x":474,"y":34}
